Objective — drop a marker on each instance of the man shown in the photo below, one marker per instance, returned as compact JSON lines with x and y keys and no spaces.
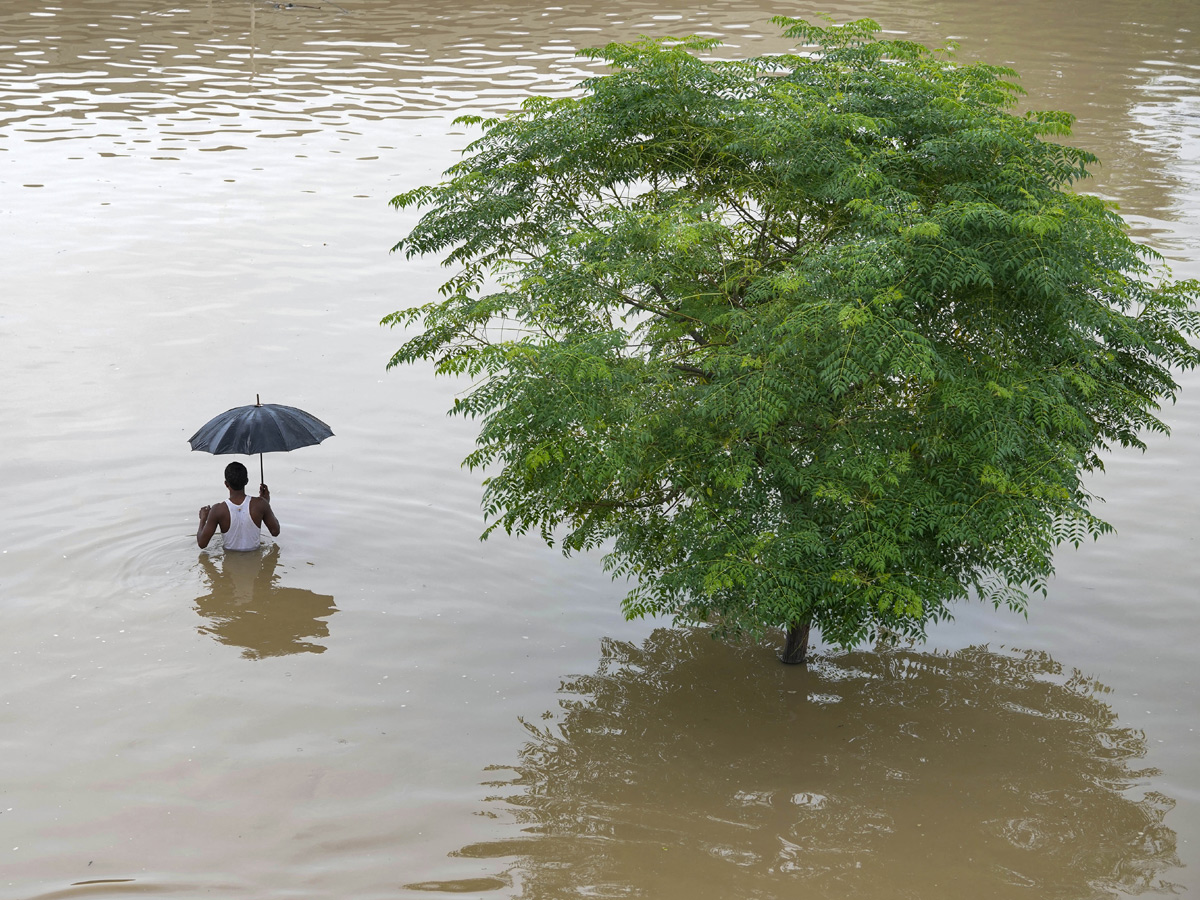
{"x":240,"y":518}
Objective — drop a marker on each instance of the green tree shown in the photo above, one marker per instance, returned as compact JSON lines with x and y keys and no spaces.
{"x":815,"y":339}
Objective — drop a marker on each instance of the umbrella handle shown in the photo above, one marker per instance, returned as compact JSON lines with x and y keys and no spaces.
{"x":258,"y":402}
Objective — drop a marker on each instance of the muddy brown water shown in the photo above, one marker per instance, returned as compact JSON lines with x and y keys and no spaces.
{"x":193,"y":210}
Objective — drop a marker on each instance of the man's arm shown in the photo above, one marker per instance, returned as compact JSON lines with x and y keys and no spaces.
{"x":268,"y":514}
{"x":209,"y":520}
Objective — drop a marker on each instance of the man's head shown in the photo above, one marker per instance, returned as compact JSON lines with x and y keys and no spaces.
{"x":236,"y":476}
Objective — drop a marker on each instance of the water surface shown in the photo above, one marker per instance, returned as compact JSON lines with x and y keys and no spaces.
{"x":193,"y":211}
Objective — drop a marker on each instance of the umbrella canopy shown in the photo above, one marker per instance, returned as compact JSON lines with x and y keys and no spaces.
{"x":262,"y":428}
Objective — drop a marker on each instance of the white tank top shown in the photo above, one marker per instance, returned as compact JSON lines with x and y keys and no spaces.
{"x":243,"y":534}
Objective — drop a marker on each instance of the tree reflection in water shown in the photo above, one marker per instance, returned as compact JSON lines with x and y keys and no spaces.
{"x":689,"y":768}
{"x":245,"y":607}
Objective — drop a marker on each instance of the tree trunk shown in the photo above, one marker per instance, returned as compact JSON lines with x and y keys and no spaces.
{"x":795,"y":649}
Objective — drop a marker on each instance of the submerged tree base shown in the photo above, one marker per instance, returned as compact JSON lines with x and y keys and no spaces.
{"x":795,"y":648}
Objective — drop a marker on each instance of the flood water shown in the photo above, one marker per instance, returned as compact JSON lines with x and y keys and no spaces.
{"x":193,"y":211}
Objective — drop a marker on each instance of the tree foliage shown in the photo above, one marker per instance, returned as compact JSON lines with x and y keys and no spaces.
{"x":820,"y":338}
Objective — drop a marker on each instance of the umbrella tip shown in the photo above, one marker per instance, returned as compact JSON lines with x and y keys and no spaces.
{"x":257,"y":400}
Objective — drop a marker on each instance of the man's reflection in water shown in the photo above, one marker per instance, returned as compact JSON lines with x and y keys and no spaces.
{"x":688,"y":768}
{"x":246,"y":608}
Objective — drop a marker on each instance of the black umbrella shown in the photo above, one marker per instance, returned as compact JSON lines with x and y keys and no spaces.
{"x":262,"y":428}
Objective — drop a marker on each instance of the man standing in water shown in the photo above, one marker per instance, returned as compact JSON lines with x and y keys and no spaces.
{"x":240,"y":517}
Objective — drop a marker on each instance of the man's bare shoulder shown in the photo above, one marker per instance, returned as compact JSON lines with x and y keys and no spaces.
{"x":258,"y":509}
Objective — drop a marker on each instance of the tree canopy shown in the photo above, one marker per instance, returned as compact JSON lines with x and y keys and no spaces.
{"x":825,"y":338}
